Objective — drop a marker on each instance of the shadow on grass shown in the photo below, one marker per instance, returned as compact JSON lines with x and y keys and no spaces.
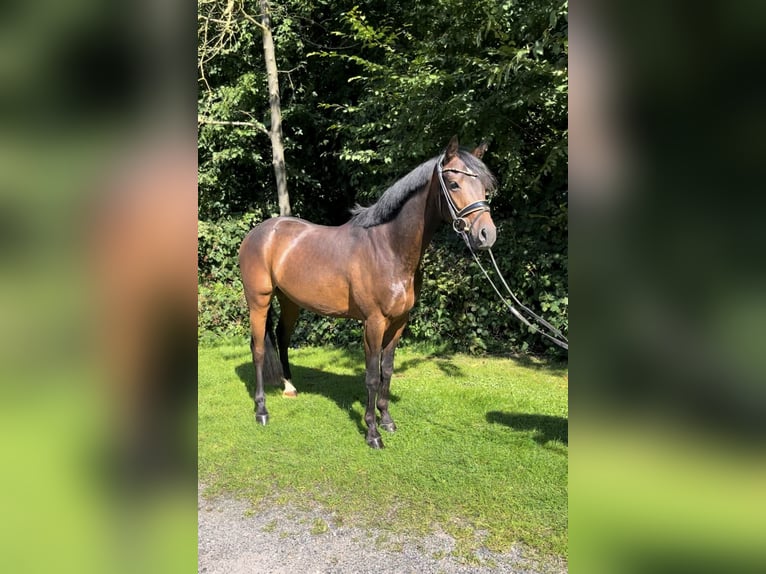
{"x":445,"y":366}
{"x":553,"y":366}
{"x":344,"y":390}
{"x":348,"y":390}
{"x":353,"y":358}
{"x":443,"y":358}
{"x":547,"y":427}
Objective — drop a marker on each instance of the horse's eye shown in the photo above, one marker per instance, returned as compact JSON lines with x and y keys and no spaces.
{"x":454,"y":185}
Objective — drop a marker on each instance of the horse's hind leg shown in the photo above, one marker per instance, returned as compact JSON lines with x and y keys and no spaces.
{"x":386,"y":371}
{"x":288,"y":316}
{"x":258,"y":313}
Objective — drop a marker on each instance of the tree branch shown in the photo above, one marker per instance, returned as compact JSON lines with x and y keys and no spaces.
{"x":251,"y":19}
{"x":256,"y":125}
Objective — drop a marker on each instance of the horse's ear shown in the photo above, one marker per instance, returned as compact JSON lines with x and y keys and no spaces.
{"x":479,"y":151}
{"x":452,"y":148}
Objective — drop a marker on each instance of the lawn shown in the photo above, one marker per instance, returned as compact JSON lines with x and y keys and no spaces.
{"x":480,"y":451}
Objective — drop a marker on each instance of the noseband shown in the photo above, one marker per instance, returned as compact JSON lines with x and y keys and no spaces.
{"x":460,"y":222}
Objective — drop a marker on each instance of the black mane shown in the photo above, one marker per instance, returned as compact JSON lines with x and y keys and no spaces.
{"x":394,"y":198}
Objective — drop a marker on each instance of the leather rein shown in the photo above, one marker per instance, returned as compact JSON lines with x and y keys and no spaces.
{"x":462,"y":227}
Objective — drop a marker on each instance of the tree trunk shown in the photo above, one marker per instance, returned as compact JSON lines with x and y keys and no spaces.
{"x":277,"y":149}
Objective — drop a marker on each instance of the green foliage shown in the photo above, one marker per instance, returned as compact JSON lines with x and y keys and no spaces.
{"x":491,"y":70}
{"x":221,"y":310}
{"x":459,"y":309}
{"x":218,"y":246}
{"x":369,"y":90}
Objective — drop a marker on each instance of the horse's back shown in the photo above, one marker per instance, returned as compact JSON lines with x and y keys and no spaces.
{"x":261,"y":239}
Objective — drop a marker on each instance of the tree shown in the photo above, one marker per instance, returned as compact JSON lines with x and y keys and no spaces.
{"x":275,"y":132}
{"x":222,"y":26}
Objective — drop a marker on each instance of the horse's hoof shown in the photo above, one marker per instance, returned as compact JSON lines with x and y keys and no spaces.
{"x":389,"y":427}
{"x":262,"y":419}
{"x":376,"y":443}
{"x":290,"y":394}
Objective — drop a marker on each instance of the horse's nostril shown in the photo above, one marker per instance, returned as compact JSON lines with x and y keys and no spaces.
{"x":485,"y":237}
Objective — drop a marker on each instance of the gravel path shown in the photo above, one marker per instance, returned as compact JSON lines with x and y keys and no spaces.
{"x":234,"y":539}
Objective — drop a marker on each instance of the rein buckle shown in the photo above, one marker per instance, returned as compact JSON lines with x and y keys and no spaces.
{"x":460,"y":224}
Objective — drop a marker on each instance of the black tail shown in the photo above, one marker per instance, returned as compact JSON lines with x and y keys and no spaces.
{"x":272,"y":368}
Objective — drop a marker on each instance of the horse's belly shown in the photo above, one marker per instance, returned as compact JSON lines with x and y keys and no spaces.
{"x":318,"y":285}
{"x":333,"y":304}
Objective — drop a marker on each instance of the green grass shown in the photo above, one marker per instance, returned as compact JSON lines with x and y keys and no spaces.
{"x":480,"y":451}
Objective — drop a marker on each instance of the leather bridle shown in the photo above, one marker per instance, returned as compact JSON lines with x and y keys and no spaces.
{"x":460,"y":223}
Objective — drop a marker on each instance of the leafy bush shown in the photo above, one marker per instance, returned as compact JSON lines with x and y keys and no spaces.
{"x":221,"y":310}
{"x":457,"y":308}
{"x":218,"y":247}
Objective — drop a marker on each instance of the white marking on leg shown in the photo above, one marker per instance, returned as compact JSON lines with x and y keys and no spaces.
{"x":290,"y":390}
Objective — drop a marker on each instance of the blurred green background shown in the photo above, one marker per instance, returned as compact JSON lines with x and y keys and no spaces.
{"x":667,"y":396}
{"x":90,"y":100}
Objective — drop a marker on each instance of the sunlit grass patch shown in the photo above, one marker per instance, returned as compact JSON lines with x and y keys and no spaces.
{"x":480,"y":451}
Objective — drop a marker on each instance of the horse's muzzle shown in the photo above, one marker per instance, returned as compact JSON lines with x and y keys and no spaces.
{"x":483,"y":236}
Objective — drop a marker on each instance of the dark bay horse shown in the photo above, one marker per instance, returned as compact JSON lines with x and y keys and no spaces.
{"x":366,"y":269}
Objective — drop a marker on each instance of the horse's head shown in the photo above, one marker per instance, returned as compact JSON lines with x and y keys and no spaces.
{"x":464,"y":182}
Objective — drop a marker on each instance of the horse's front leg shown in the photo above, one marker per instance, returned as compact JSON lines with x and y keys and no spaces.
{"x":387,"y":370}
{"x":373,"y":341}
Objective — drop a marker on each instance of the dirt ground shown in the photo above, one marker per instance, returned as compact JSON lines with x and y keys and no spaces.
{"x":236,"y":539}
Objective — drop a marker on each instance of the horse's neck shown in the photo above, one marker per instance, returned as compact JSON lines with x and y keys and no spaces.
{"x":414,"y":227}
